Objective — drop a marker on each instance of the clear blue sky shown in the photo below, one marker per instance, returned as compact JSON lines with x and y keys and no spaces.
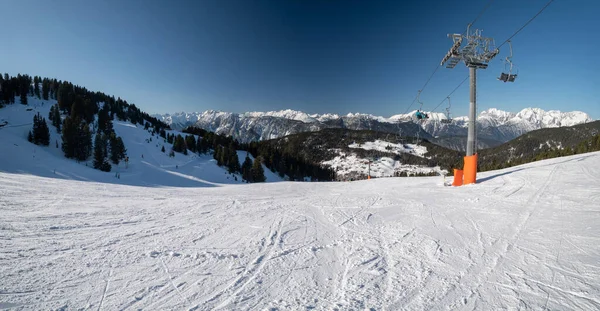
{"x":314,"y":56}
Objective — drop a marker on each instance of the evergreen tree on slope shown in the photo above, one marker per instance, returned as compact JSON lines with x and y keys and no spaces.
{"x":40,"y":132}
{"x":258,"y":174}
{"x":100,"y":161}
{"x":247,"y":169}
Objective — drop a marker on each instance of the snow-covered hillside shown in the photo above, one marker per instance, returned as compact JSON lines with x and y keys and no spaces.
{"x":147,"y":166}
{"x":350,"y":166}
{"x":521,"y":238}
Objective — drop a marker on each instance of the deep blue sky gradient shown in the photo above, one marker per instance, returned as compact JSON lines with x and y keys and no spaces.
{"x":314,"y":56}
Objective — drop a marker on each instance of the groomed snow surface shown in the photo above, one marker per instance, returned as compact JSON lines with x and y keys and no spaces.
{"x":522,"y":238}
{"x":190,"y":237}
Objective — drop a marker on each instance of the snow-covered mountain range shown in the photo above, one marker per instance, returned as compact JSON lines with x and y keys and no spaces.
{"x":492,"y":124}
{"x":502,"y":126}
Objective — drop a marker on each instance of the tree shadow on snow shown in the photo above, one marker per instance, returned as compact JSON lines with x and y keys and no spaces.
{"x":484,"y":179}
{"x":159,"y":179}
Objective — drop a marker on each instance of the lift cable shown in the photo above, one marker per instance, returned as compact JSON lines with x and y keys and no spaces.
{"x":421,"y":90}
{"x":463,"y":81}
{"x":529,"y":21}
{"x":481,"y":13}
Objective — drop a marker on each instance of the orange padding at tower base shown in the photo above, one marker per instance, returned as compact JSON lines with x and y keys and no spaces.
{"x":458,"y":178}
{"x":470,"y":169}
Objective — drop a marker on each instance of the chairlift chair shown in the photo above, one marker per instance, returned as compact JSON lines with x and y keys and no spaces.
{"x":510,"y":70}
{"x":419,"y":114}
{"x":448,"y":119}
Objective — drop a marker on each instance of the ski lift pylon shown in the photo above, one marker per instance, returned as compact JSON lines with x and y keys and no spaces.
{"x":510,"y":70}
{"x":448,"y":119}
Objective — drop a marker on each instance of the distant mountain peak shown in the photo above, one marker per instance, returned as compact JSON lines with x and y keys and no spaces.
{"x":552,"y":118}
{"x":285,"y":114}
{"x":492,"y":124}
{"x":497,"y":114}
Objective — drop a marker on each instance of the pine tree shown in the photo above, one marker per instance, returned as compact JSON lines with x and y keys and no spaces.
{"x":85,"y":142}
{"x":77,"y":139}
{"x":108,"y":126}
{"x":568,"y":151}
{"x":204,"y":144}
{"x":63,"y":97}
{"x":217,"y":155}
{"x":179,"y":144}
{"x":582,"y":147}
{"x":2,"y":86}
{"x":100,"y":161}
{"x":199,"y":145}
{"x":44,"y":133}
{"x":24,"y":83}
{"x":51,"y":114}
{"x":163,"y":148}
{"x":117,"y":149}
{"x":176,"y":146}
{"x":35,"y":130}
{"x":36,"y":86}
{"x":56,"y":121}
{"x":54,"y":117}
{"x":233,"y":163}
{"x":45,"y":89}
{"x":247,"y":169}
{"x":103,"y":119}
{"x":40,"y":131}
{"x":69,"y":132}
{"x":190,"y":142}
{"x":30,"y":137}
{"x":24,"y":99}
{"x":78,"y":108}
{"x":258,"y":174}
{"x":224,"y":155}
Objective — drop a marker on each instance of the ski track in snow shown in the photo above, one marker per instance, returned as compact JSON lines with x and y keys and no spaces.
{"x":525,"y":237}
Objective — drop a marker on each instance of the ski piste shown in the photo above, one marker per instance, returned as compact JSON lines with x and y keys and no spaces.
{"x":161,"y":238}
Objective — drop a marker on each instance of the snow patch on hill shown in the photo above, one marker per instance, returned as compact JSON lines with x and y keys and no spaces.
{"x":350,"y":166}
{"x":384,"y":146}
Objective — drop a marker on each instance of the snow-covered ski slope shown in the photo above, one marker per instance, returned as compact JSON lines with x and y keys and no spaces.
{"x":148,"y":166}
{"x":525,"y":238}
